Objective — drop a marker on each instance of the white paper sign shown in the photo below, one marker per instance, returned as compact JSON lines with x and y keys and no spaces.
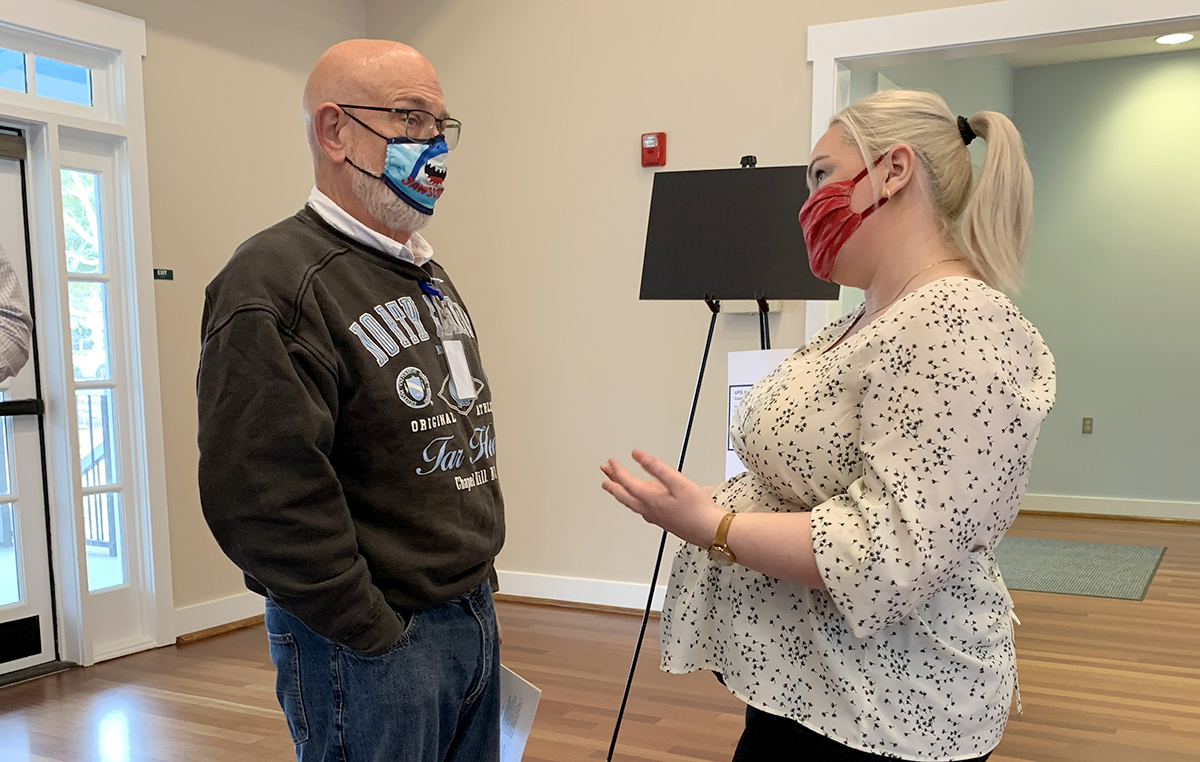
{"x":518,"y":703}
{"x":745,"y":370}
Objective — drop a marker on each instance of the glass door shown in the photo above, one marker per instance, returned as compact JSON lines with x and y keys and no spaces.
{"x":27,"y":620}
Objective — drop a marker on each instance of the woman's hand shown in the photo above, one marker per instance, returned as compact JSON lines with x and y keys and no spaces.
{"x":671,"y":500}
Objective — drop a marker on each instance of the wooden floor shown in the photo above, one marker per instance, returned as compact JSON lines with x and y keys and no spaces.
{"x":1102,"y":681}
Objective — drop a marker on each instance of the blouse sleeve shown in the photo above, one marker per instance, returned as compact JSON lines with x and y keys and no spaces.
{"x":955,"y":393}
{"x":16,"y":326}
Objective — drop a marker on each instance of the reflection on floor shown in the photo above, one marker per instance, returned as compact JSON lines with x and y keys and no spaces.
{"x":1102,"y":681}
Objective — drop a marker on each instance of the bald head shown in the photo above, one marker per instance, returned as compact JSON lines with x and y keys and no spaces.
{"x":370,"y":73}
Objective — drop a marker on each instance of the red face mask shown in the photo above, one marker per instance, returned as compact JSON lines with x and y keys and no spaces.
{"x":828,"y":222}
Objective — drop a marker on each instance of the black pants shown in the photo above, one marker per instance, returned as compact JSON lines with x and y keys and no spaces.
{"x":776,"y":739}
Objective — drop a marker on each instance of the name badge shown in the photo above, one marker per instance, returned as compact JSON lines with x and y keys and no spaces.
{"x":460,"y":370}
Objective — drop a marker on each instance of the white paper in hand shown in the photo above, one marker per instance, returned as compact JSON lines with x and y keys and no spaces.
{"x":518,"y":703}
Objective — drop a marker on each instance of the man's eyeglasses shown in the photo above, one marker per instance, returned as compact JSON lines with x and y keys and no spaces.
{"x":413,"y":123}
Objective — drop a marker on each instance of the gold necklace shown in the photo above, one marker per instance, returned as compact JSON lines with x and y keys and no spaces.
{"x":909,"y":281}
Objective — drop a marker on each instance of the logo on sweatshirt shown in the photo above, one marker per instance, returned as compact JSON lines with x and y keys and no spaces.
{"x":450,"y":395}
{"x":414,"y":389}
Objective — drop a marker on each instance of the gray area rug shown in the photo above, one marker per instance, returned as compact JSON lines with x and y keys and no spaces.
{"x":1101,"y":570}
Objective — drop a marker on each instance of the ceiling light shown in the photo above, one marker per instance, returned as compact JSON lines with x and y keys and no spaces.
{"x":1175,"y":39}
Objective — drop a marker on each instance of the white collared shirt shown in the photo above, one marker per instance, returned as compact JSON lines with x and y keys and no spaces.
{"x":418,"y":251}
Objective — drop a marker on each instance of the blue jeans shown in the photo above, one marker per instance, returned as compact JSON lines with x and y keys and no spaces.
{"x":434,"y":696}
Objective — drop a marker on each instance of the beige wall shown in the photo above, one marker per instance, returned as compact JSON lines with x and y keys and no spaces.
{"x":543,"y":227}
{"x":223,"y":80}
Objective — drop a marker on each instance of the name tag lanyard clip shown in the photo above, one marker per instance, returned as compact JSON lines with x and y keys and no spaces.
{"x":456,"y":356}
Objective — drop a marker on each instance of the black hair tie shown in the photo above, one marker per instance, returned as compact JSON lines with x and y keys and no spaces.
{"x":964,"y":129}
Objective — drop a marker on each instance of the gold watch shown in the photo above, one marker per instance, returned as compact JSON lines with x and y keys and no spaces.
{"x":719,"y":552}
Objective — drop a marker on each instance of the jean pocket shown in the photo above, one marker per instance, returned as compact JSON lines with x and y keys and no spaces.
{"x":286,"y":657}
{"x":400,"y":643}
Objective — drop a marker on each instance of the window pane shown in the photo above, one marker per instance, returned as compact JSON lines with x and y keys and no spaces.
{"x":103,"y":535}
{"x":63,"y":81}
{"x":81,"y":221}
{"x":10,"y":586}
{"x":89,"y":331}
{"x":6,"y":453}
{"x":10,"y":590}
{"x":12,"y":70}
{"x":97,"y":437}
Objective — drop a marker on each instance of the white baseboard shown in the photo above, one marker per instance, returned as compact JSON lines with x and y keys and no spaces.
{"x":122,"y":648}
{"x":202,"y":616}
{"x":1111,"y":506}
{"x":593,"y":592}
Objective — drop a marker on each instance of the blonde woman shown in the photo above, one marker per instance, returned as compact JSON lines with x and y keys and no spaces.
{"x":845,"y":586}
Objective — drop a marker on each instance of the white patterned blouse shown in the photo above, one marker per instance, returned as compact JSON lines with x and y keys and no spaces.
{"x":910,"y":442}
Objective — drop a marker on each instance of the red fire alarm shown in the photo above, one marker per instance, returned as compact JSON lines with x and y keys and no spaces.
{"x":654,"y":149}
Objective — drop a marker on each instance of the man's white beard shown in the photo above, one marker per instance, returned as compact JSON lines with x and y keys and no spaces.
{"x":385,"y":206}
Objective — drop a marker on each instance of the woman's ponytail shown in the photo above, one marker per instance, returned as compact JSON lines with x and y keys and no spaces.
{"x":999,"y":215}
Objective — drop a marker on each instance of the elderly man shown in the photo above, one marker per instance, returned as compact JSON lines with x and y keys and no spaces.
{"x":347,"y":453}
{"x":15,"y":324}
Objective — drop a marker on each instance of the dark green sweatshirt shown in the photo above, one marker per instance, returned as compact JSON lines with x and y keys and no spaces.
{"x":340,"y":468}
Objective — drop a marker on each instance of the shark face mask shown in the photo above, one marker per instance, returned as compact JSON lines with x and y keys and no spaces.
{"x":415,"y":171}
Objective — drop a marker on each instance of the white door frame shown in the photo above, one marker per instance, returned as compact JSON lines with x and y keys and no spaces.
{"x":31,"y":555}
{"x":119,"y":117}
{"x":835,"y":49}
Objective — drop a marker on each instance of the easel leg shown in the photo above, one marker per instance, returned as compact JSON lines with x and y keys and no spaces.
{"x":715,"y":306}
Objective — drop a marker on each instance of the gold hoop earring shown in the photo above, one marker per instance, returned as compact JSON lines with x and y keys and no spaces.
{"x":888,"y":191}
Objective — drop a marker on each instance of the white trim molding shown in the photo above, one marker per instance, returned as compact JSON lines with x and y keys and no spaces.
{"x":204,"y":616}
{"x":98,"y":27}
{"x":1112,"y":506}
{"x":590,"y":592}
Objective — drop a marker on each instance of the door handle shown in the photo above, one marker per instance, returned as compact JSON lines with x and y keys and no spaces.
{"x":21,"y":407}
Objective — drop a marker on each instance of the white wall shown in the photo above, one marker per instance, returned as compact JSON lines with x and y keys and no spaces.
{"x":1113,"y":269}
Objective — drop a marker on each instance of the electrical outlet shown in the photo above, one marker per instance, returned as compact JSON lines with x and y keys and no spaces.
{"x":1087,"y":425}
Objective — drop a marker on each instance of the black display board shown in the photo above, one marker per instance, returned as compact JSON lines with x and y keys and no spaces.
{"x":729,"y":234}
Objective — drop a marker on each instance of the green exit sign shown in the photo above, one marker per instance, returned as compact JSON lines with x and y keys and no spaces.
{"x":164,"y":274}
